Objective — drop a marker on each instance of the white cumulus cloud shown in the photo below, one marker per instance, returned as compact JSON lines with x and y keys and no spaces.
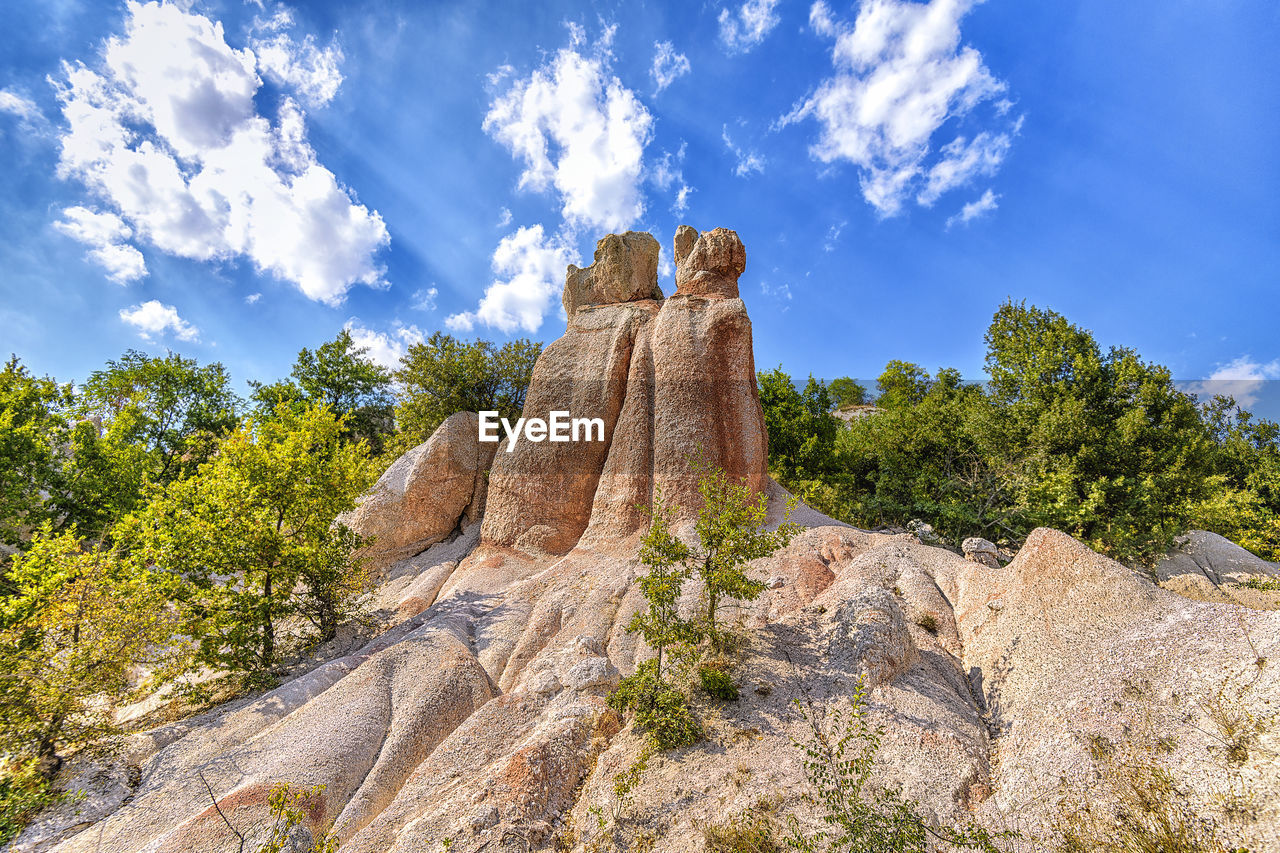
{"x":975,"y":209}
{"x":900,"y":73}
{"x":166,"y":131}
{"x":1241,"y":378}
{"x":668,"y":66}
{"x":153,"y":319}
{"x":106,"y":235}
{"x":530,"y":269}
{"x":746,"y":28}
{"x":384,"y":348}
{"x":578,"y":131}
{"x":313,"y":72}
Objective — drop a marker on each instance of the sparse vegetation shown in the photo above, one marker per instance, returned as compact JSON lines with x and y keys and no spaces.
{"x":289,"y":809}
{"x":753,"y":830}
{"x":717,"y":683}
{"x":1137,"y":807}
{"x":1263,"y":584}
{"x":1137,"y":803}
{"x":838,"y":758}
{"x":928,"y":621}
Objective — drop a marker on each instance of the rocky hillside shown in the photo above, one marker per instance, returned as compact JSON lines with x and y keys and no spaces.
{"x":1009,"y":694}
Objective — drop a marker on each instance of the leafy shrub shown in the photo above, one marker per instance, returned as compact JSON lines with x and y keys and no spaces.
{"x":24,"y":790}
{"x":717,"y":683}
{"x":838,"y":761}
{"x":661,"y":711}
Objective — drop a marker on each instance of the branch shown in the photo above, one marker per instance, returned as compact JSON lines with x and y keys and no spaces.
{"x":218,"y":808}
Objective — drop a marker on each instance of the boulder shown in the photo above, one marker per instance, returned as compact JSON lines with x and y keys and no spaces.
{"x":981,"y":551}
{"x":425,"y":493}
{"x":1207,"y":567}
{"x":625,"y":270}
{"x":708,"y":264}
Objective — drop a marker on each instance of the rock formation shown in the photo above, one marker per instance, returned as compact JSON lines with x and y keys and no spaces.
{"x":670,"y":379}
{"x":426,"y":493}
{"x":477,"y":715}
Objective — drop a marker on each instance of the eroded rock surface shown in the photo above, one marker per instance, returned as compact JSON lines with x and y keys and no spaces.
{"x":478,"y":716}
{"x":426,"y":494}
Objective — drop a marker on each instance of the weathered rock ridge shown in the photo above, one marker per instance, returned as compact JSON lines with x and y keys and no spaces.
{"x":477,"y":715}
{"x":670,"y":379}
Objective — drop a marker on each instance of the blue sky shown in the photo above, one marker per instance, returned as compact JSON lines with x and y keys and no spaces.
{"x":235,"y":181}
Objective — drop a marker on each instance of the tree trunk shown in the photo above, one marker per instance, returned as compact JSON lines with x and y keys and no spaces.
{"x":268,"y":631}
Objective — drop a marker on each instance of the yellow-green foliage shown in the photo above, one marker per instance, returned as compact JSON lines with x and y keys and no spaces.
{"x":24,"y":790}
{"x":253,"y":534}
{"x":289,"y":808}
{"x":80,"y":620}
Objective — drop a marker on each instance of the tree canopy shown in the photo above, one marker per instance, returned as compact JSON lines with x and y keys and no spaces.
{"x":444,"y":375}
{"x":1098,"y":443}
{"x":340,"y":375}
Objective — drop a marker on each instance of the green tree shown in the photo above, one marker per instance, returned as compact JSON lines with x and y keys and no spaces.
{"x":660,"y":623}
{"x":731,"y":532}
{"x":33,"y":426}
{"x":802,"y":431}
{"x":254,"y":533}
{"x":340,"y":375}
{"x":173,"y":407}
{"x":902,"y":384}
{"x":845,"y":392}
{"x":444,"y":375}
{"x":82,"y":618}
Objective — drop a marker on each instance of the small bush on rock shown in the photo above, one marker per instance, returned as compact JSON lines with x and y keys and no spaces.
{"x":661,"y":711}
{"x":749,"y":831}
{"x":717,"y":683}
{"x":838,"y":760}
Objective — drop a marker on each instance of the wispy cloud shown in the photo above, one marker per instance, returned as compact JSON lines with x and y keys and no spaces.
{"x":1241,"y":378}
{"x":975,"y":209}
{"x":17,"y":105}
{"x":668,"y":173}
{"x":424,"y":299}
{"x":833,"y":235}
{"x":900,"y":74}
{"x":668,"y":66}
{"x":747,"y":27}
{"x":384,"y":348}
{"x":746,"y":161}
